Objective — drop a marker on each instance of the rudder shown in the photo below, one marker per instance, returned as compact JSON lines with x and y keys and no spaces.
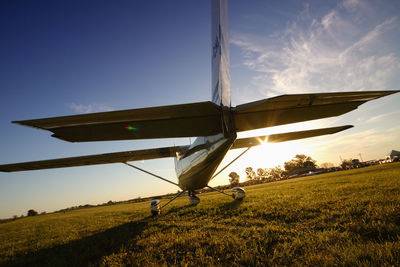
{"x":220,"y":53}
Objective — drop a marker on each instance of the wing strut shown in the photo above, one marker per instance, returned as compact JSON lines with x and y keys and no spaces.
{"x":172,"y":199}
{"x":241,"y":154}
{"x":155,"y":175}
{"x":159,"y":177}
{"x":226,"y":166}
{"x":220,"y":191}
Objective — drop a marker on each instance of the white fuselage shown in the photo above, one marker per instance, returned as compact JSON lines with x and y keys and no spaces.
{"x":195,"y":168}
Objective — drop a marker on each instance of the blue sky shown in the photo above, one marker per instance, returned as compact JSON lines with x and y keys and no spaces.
{"x":70,"y":57}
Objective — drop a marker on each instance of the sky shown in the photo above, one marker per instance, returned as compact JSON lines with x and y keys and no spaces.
{"x":71,"y":57}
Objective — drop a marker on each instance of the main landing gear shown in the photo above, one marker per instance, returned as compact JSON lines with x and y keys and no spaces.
{"x":238,"y":193}
{"x":155,"y":207}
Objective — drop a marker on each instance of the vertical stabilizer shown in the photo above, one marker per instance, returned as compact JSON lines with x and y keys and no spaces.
{"x":221,"y":77}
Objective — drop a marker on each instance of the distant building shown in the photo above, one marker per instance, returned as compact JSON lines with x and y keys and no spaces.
{"x":394,"y":155}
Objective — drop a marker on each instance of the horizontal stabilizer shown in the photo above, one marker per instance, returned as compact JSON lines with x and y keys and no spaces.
{"x":186,"y":120}
{"x":300,"y":107}
{"x":283,"y":137}
{"x":117,"y":157}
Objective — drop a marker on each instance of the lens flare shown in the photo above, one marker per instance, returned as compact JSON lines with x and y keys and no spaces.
{"x":262,"y":140}
{"x":130,"y":128}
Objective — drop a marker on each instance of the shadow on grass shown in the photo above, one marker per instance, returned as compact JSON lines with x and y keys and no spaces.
{"x":190,"y":210}
{"x":177,"y":209}
{"x":85,"y":251}
{"x":89,"y":250}
{"x":231,"y":205}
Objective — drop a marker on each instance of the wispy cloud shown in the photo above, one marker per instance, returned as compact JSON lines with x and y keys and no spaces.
{"x":379,"y":117}
{"x":337,"y":51}
{"x":89,"y":108}
{"x":395,"y":129}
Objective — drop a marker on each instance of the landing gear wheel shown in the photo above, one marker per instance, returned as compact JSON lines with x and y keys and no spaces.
{"x":193,"y":199}
{"x":155,"y":207}
{"x":238,"y":193}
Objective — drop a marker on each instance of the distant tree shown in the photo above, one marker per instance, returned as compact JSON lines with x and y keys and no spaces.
{"x":234,"y":178}
{"x":276,"y":173}
{"x":327,"y":165}
{"x":299,"y":162}
{"x":250,"y":174}
{"x":262,"y":174}
{"x":110,"y":202}
{"x":346,"y":164}
{"x":32,"y":213}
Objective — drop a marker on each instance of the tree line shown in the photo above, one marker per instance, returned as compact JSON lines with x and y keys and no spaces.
{"x":300,"y":164}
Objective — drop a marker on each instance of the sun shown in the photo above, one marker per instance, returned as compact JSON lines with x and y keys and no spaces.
{"x":269,"y":155}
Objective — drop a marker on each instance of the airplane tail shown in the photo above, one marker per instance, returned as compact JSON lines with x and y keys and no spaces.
{"x":221,"y":77}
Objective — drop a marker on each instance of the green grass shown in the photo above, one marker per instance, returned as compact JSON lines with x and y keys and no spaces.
{"x":347,"y":218}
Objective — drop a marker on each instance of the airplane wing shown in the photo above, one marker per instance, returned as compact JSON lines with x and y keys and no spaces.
{"x":283,"y":137}
{"x":186,"y":120}
{"x":117,"y":157}
{"x":286,"y":109}
{"x":200,"y":119}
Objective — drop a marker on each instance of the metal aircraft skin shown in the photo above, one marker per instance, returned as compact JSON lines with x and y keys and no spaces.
{"x":215,"y":124}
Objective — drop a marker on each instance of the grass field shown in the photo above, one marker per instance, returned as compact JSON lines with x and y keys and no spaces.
{"x":343,"y":218}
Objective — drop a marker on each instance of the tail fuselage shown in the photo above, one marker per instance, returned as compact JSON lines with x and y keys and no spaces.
{"x":196,"y":167}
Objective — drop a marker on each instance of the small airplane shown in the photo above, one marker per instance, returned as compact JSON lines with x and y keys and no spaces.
{"x":215,"y":124}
